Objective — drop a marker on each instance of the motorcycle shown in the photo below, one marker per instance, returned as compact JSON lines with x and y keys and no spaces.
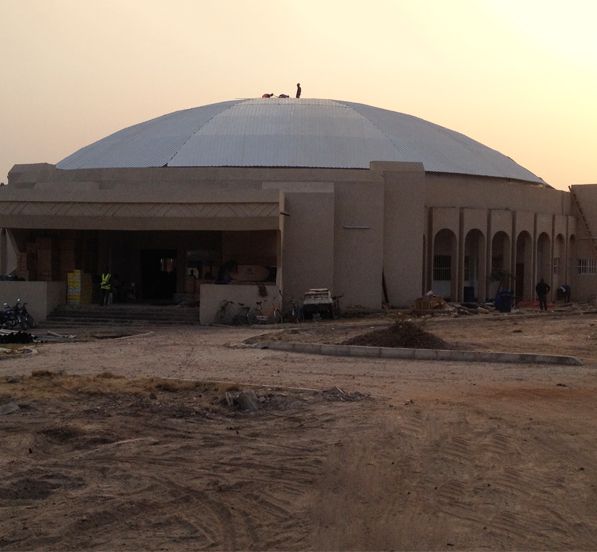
{"x":8,"y":317}
{"x":16,"y":317}
{"x":24,"y":319}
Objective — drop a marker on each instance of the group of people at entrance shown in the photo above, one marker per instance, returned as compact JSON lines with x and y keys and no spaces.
{"x":111,"y":287}
{"x":543,"y":288}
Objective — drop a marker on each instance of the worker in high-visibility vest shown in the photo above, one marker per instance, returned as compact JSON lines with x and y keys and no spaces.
{"x":106,"y":288}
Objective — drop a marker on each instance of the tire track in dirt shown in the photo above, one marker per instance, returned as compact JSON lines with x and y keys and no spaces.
{"x":478,"y":481}
{"x":168,"y":472}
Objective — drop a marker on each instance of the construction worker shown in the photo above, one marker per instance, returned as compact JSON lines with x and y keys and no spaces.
{"x":106,"y":288}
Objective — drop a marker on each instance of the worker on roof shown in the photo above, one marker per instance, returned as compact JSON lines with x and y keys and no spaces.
{"x":298,"y":90}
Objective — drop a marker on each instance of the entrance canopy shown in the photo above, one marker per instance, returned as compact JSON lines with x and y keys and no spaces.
{"x":89,"y":206}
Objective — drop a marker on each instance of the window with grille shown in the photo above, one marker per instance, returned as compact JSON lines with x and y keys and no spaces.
{"x":442,"y":267}
{"x":470,"y":268}
{"x":587,"y":266}
{"x":556,"y":265}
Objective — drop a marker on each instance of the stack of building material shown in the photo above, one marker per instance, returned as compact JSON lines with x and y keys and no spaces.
{"x":79,"y":288}
{"x":430,"y":302}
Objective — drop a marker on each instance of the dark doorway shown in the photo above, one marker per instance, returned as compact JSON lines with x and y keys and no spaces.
{"x":158,"y":274}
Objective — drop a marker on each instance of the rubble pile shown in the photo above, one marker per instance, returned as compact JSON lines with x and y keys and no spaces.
{"x":403,"y":333}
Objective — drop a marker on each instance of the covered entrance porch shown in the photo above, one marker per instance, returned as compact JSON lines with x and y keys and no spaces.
{"x":157,"y":252}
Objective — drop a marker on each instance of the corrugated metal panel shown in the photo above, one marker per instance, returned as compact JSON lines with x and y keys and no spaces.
{"x":304,"y":133}
{"x":293,"y":133}
{"x":441,"y":149}
{"x":149,"y":144}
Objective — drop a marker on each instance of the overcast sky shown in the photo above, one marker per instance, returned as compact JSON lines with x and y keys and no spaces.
{"x":519,"y":76}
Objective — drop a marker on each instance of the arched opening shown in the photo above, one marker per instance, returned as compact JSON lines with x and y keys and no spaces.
{"x":473,"y":283}
{"x":501,"y":269}
{"x":443,"y":279}
{"x":523,"y":277}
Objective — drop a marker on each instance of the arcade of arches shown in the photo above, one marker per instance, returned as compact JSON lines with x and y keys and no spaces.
{"x":477,"y":267}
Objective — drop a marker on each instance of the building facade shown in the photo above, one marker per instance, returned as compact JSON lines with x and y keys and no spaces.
{"x":379,"y":207}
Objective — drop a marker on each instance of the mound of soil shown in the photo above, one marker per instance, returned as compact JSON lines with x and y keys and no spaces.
{"x":400,"y":334}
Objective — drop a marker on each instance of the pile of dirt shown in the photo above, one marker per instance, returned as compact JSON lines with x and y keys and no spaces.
{"x":403,"y":333}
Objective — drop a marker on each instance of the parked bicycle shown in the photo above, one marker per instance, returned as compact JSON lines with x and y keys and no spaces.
{"x":223,"y":315}
{"x":245,"y":315}
{"x":260,"y":317}
{"x":294,"y":313}
{"x":237,"y":314}
{"x":8,"y":317}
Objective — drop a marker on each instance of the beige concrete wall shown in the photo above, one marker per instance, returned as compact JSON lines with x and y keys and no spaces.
{"x":320,"y":243}
{"x":445,"y":218}
{"x":445,"y":190}
{"x":524,"y":221}
{"x":584,"y":286}
{"x":212,"y":296}
{"x":474,"y":219}
{"x":307,"y":243}
{"x":41,"y":297}
{"x":358,"y":244}
{"x":560,"y":225}
{"x":500,"y":220}
{"x":404,"y":229}
{"x":544,"y":224}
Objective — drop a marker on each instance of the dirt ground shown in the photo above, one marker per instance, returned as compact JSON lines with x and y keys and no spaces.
{"x":99,"y":451}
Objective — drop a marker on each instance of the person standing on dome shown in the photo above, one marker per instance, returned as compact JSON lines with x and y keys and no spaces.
{"x":298,"y":90}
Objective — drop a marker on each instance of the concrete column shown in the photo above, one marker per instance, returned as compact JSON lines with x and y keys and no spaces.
{"x":403,"y":231}
{"x":459,"y":275}
{"x":482,"y":266}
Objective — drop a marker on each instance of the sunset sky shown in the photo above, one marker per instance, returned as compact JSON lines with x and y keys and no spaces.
{"x":519,"y":76}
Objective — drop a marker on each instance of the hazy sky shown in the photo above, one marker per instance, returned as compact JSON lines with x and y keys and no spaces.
{"x":517,"y":75}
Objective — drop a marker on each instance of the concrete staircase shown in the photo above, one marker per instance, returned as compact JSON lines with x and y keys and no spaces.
{"x":115,"y":315}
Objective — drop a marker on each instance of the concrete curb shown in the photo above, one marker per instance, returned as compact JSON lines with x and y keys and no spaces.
{"x":418,"y":354}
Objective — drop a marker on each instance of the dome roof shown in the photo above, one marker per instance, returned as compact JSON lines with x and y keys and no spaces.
{"x":293,"y":133}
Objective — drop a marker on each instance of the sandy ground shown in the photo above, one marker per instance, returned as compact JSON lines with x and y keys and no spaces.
{"x":435,"y":456}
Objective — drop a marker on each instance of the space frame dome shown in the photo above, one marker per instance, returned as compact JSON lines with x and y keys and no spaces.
{"x":309,"y":133}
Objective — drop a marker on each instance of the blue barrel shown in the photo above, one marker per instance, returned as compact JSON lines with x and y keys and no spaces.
{"x":504,"y":300}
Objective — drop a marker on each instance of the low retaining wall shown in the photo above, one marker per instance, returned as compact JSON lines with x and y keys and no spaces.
{"x":419,"y":354}
{"x":41,"y":297}
{"x":212,"y":295}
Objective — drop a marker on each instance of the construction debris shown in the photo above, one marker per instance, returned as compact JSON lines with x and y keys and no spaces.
{"x":403,"y":333}
{"x":337,"y":394}
{"x":15,"y":336}
{"x":9,"y":408}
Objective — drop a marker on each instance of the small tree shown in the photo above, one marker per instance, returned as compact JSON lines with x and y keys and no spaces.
{"x":504,"y":278}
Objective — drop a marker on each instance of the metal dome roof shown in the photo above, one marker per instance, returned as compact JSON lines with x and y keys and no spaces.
{"x":293,"y":133}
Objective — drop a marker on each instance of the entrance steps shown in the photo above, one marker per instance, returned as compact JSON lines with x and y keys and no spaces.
{"x":114,"y":315}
